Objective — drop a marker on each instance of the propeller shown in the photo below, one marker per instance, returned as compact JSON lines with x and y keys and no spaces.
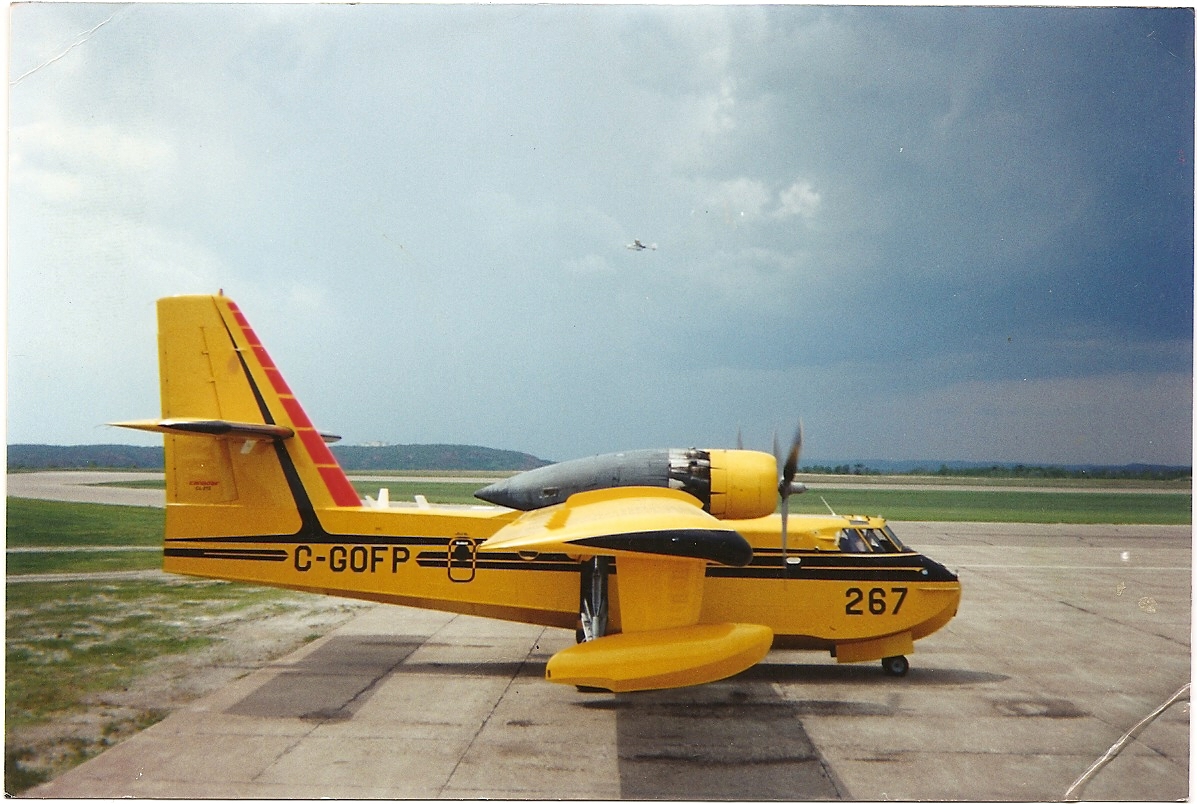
{"x":786,"y":486}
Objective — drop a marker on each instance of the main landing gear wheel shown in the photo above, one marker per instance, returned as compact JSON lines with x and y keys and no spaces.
{"x":895,"y":665}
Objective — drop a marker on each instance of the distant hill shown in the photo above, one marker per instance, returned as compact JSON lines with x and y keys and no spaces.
{"x":434,"y":457}
{"x":440,"y":457}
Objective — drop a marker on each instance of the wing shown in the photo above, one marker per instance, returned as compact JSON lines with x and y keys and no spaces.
{"x":649,"y":521}
{"x":661,"y":540}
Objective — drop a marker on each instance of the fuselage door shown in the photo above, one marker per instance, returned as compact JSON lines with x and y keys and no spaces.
{"x":463,"y":559}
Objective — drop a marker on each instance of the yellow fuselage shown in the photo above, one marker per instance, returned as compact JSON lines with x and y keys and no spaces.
{"x":862,"y":606}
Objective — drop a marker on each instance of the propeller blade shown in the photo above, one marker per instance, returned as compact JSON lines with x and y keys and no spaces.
{"x":739,"y":438}
{"x":786,"y":487}
{"x":791,"y":466}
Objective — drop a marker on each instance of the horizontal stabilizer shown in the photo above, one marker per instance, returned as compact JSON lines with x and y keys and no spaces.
{"x":210,"y":427}
{"x":655,"y":660}
{"x":633,"y":519}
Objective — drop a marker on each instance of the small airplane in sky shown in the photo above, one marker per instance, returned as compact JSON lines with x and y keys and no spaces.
{"x":636,"y":245}
{"x":672,"y":566}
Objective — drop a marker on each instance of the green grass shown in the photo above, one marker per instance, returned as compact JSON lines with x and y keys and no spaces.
{"x":67,"y":643}
{"x":131,"y":484}
{"x":83,"y":561}
{"x":1003,"y":506}
{"x":401,"y":490}
{"x":44,"y":523}
{"x":435,"y":492}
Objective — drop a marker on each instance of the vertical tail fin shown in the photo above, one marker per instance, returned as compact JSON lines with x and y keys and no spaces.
{"x":242,"y":457}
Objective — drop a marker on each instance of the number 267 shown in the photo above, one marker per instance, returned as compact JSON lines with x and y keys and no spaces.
{"x":874,"y":601}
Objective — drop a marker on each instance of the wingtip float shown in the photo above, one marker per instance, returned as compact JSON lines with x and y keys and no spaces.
{"x":671,"y":565}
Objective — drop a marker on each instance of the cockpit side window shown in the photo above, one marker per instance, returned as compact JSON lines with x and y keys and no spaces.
{"x":874,"y":542}
{"x":850,"y":541}
{"x":870,"y":540}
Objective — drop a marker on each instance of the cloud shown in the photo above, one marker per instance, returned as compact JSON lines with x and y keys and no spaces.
{"x":1141,"y":417}
{"x":799,"y":200}
{"x":738,"y":198}
{"x":900,"y":200}
{"x":741,"y":199}
{"x":89,"y":165}
{"x":589,"y":264}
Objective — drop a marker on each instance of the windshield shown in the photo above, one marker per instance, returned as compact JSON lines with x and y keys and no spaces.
{"x":893,"y":537}
{"x":869,"y":540}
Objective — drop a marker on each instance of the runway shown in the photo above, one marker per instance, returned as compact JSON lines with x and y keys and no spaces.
{"x":1067,"y":637}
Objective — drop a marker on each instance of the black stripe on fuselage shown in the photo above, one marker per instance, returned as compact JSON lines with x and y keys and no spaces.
{"x":237,"y":555}
{"x":323,"y":537}
{"x":836,"y":566}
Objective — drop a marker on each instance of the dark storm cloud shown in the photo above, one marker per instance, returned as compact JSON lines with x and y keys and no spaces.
{"x":937,"y":205}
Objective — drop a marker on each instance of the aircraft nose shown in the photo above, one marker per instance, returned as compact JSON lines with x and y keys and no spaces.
{"x":934,"y":571}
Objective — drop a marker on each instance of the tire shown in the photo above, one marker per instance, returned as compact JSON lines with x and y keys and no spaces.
{"x":896,"y":666}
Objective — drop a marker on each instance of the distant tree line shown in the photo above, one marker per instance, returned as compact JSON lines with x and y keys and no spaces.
{"x":1025,"y":471}
{"x":841,"y":469}
{"x":1130,"y":472}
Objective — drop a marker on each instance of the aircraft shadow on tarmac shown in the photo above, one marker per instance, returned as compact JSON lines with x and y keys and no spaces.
{"x":336,"y":680}
{"x":870,"y":674}
{"x":332,"y":682}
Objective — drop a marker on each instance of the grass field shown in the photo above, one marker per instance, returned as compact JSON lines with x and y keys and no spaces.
{"x":39,"y":563}
{"x":43,"y":523}
{"x":1141,"y":508}
{"x":68,"y":645}
{"x":73,"y":650}
{"x":434,"y":492}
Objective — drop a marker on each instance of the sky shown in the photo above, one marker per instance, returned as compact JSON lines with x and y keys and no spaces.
{"x":929,"y":233}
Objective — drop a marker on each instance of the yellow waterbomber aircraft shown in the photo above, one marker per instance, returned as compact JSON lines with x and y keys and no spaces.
{"x":672,"y":565}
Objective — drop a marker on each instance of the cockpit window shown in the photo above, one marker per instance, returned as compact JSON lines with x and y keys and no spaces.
{"x":869,"y":540}
{"x":893,"y":537}
{"x":850,"y":541}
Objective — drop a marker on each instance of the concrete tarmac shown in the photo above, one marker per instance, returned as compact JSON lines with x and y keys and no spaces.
{"x":1067,"y":637}
{"x":85,"y":487}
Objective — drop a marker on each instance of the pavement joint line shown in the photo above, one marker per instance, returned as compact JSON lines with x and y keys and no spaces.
{"x":294,"y":744}
{"x":498,"y":700}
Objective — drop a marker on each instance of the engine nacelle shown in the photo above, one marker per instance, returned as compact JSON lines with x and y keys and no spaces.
{"x":743,"y":484}
{"x":731,"y":484}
